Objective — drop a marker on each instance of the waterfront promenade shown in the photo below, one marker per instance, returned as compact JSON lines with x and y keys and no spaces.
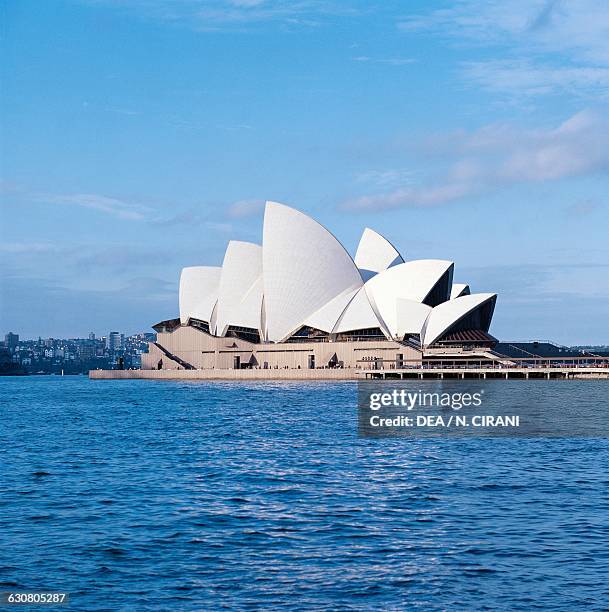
{"x":218,"y":374}
{"x":523,"y":369}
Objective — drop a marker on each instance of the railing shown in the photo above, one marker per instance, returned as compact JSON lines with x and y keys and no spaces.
{"x":512,"y":343}
{"x":583,"y":362}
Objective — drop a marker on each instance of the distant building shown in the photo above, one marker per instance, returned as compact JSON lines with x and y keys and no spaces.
{"x":7,"y":366}
{"x":91,"y":336}
{"x":11,"y":340}
{"x":115,"y":342}
{"x":87,"y":351}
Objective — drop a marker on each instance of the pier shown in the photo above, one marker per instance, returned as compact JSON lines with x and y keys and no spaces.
{"x":584,"y":367}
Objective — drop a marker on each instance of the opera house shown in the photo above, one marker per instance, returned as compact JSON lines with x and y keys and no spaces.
{"x":300,"y":300}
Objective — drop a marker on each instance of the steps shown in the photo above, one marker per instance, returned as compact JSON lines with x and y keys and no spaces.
{"x":178,"y":360}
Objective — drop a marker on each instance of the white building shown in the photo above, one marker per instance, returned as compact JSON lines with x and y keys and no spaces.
{"x":300,"y":300}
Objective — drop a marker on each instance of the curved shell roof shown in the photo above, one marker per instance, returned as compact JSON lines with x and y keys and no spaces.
{"x":303,"y":276}
{"x":304,"y":268}
{"x":198,"y":292}
{"x":240,"y":290}
{"x":358,"y":315}
{"x":459,"y":289}
{"x":327,"y":316}
{"x":410,"y":317}
{"x":375,"y":253}
{"x":413,"y":280}
{"x":445,"y":315}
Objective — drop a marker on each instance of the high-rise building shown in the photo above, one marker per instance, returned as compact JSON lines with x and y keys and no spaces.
{"x":114,"y":342}
{"x":91,"y":336}
{"x":11,"y":340}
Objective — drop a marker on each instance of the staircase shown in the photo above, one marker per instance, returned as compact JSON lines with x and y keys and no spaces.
{"x":184,"y":364}
{"x":523,"y":351}
{"x":411,"y":343}
{"x":494,"y":356}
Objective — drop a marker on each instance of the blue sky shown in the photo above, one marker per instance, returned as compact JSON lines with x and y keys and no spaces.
{"x":138,"y":137}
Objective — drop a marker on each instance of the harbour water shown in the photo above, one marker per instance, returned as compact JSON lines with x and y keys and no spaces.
{"x":150,"y":495}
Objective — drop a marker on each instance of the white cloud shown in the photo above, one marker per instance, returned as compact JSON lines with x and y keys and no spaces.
{"x":529,"y":78}
{"x":411,"y":197}
{"x":221,"y":14}
{"x":387,"y":178}
{"x":245,"y":208}
{"x":104,"y":204}
{"x":499,"y":155}
{"x":389,"y":61}
{"x":562,"y":26}
{"x":544,"y":45}
{"x":247,"y":3}
{"x":27,"y":247}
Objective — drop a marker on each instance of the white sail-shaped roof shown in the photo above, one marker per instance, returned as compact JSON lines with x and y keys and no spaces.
{"x":327,"y":316}
{"x":304,"y":268}
{"x":198,"y":292}
{"x":240,"y":290}
{"x":375,"y":253}
{"x":358,"y":315}
{"x":445,"y":315}
{"x":459,"y":289}
{"x":410,"y":317}
{"x":413,"y":280}
{"x":248,"y":314}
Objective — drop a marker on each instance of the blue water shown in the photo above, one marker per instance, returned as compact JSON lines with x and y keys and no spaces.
{"x":146,"y":495}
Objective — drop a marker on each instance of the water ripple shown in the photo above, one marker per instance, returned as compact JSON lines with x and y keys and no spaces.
{"x":150,"y":495}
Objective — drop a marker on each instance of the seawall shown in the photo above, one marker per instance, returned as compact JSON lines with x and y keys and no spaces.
{"x":353,"y":374}
{"x":257,"y":374}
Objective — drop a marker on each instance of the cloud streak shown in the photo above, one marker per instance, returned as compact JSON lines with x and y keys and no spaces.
{"x":110,"y":206}
{"x":497,"y":156}
{"x":388,"y":61}
{"x":245,"y":208}
{"x":547,"y":46}
{"x":210,"y":15}
{"x":532,"y":79}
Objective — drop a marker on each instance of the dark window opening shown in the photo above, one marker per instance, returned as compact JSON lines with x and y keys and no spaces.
{"x":166,"y":326}
{"x":202,"y":325}
{"x":245,"y":333}
{"x":308,"y":334}
{"x":358,"y":335}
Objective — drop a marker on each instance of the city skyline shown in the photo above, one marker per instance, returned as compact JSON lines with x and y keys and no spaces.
{"x":71,"y":355}
{"x":145,"y":135}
